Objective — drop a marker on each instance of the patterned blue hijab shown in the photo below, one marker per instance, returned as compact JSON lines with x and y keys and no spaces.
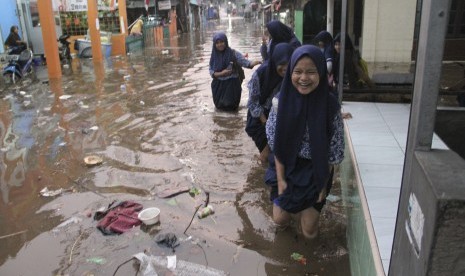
{"x":296,"y":112}
{"x":219,"y":60}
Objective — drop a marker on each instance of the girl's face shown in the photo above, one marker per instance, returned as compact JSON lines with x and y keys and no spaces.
{"x":220,"y":45}
{"x":305,"y":76}
{"x":337,"y":46}
{"x":281,"y":69}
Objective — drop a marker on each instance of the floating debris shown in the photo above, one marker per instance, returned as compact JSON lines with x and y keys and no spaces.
{"x":64,"y":97}
{"x":96,"y":260}
{"x":205,"y":212}
{"x":48,"y":193}
{"x":194,"y":191}
{"x":93,"y":160}
{"x":299,"y":258}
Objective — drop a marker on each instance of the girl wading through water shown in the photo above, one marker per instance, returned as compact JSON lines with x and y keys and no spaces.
{"x":305,"y":133}
{"x":263,"y":86}
{"x":226,"y":86}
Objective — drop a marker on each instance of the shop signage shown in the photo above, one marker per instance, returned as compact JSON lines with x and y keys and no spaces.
{"x":164,"y":5}
{"x":81,"y":5}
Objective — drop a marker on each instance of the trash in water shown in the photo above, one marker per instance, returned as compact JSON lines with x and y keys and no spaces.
{"x":172,"y":202}
{"x":64,"y":97}
{"x":194,"y":191}
{"x":205,"y":212}
{"x":127,"y":77}
{"x":22,"y":93}
{"x":165,"y":52}
{"x":333,"y":198}
{"x":299,"y":258}
{"x":69,"y":221}
{"x":158,"y":265}
{"x":123,"y":87}
{"x":47,"y":193}
{"x":171,"y":262}
{"x":96,"y":260}
{"x":94,"y":128}
{"x":142,"y":103}
{"x":168,"y":240}
{"x":150,"y":82}
{"x":93,"y":160}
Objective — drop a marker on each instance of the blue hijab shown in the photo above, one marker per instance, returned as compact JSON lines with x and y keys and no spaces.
{"x":279,"y":33}
{"x":268,"y":75}
{"x":219,"y":60}
{"x":296,"y":112}
{"x":327,"y":39}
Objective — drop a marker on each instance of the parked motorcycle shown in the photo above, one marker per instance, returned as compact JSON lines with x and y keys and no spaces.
{"x":19,"y":64}
{"x":63,"y":50}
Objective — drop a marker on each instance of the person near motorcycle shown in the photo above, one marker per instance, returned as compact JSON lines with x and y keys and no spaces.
{"x":13,"y":39}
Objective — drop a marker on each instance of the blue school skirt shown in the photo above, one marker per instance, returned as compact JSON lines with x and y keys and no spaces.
{"x":226,"y":93}
{"x":301,"y":192}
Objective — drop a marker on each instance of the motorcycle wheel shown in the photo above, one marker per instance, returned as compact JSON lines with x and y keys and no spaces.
{"x":66,"y":56}
{"x":86,"y":53}
{"x":9,"y":78}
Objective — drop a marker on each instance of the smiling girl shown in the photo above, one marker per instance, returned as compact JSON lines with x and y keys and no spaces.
{"x":305,"y":133}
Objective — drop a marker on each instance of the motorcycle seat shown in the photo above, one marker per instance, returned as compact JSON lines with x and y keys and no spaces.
{"x":24,"y":56}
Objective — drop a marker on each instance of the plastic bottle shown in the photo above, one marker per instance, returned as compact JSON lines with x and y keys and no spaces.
{"x":123,"y":87}
{"x":205,"y":212}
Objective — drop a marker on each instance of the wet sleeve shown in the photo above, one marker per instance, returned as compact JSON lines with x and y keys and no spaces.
{"x":271,"y":124}
{"x":263,"y":51}
{"x":336,"y":146}
{"x":210,"y":69}
{"x":242,"y":60}
{"x":253,"y":103}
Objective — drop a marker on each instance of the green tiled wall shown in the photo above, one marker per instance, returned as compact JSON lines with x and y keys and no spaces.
{"x":361,"y":256}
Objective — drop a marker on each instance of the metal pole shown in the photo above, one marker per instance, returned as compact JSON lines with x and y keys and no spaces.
{"x":340,"y":84}
{"x":433,"y":26}
{"x":330,"y":16}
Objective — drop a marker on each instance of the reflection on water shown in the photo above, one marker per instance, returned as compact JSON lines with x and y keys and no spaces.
{"x":151,"y":118}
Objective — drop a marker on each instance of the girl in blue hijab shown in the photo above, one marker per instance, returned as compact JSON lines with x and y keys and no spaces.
{"x":263,"y":86}
{"x":324,"y":40}
{"x":305,"y":133}
{"x":278,"y":32}
{"x":226,"y":87}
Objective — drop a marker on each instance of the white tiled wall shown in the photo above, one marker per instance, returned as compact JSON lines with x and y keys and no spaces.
{"x":387,"y":34}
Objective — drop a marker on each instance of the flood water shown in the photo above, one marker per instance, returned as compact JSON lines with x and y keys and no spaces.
{"x":159,"y":131}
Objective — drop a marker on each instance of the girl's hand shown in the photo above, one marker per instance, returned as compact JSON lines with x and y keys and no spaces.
{"x":322,"y":195}
{"x":263,"y":118}
{"x":253,"y":63}
{"x":226,"y":72}
{"x":282,"y":185}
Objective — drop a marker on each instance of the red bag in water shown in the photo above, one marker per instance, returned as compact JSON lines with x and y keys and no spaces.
{"x":120,"y":218}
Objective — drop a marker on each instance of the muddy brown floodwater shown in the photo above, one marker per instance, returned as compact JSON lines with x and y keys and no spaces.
{"x":159,"y":131}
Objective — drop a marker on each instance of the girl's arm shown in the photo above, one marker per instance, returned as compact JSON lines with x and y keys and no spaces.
{"x":256,"y":110}
{"x":336,"y":146}
{"x":280,"y":175}
{"x":245,"y":62}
